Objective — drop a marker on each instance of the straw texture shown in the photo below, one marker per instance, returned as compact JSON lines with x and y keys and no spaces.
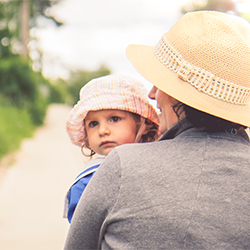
{"x":202,"y":61}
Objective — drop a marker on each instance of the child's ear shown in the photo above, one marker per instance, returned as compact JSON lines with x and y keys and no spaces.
{"x":145,"y":131}
{"x":86,"y":151}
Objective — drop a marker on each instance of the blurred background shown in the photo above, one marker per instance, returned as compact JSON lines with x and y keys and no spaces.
{"x":48,"y":50}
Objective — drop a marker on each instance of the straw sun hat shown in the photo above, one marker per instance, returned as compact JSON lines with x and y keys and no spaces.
{"x":109,"y":92}
{"x":204,"y":62}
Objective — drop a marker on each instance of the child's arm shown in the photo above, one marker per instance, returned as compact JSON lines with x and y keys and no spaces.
{"x":75,"y":194}
{"x":77,"y":188}
{"x":99,"y":197}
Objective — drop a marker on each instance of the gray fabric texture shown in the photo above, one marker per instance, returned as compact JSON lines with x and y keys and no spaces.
{"x":189,"y":192}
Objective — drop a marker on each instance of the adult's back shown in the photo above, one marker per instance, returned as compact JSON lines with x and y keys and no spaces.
{"x":190,"y":192}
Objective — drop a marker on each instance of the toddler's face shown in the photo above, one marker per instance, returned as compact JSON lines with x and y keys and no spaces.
{"x":109,"y":128}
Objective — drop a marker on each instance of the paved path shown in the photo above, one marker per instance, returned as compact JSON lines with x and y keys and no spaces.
{"x":33,"y":188}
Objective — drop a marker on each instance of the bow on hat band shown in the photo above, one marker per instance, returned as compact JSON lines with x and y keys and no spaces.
{"x":201,"y":79}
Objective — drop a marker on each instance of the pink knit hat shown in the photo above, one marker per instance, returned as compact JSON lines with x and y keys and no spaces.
{"x":109,"y":92}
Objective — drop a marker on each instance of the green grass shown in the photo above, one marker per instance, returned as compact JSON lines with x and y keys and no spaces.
{"x":15,"y":125}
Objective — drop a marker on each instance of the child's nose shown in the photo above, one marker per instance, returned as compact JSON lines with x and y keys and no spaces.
{"x":104,"y":130}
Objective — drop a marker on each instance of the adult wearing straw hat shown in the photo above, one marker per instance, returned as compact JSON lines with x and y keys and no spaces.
{"x":191,"y":189}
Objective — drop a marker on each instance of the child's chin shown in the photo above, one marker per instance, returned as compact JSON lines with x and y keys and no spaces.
{"x":107,"y":151}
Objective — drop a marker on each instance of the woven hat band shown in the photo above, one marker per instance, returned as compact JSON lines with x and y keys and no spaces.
{"x":199,"y":78}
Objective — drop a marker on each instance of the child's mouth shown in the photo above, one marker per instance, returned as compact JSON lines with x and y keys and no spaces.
{"x":106,"y":143}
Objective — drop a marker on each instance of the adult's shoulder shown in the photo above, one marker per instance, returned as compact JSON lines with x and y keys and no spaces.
{"x":136,"y":153}
{"x":132,"y":148}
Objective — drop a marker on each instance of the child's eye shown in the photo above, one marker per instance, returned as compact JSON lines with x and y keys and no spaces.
{"x":92,"y":124}
{"x":115,"y":119}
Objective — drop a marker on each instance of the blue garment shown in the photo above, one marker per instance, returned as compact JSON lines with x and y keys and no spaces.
{"x":74,"y":193}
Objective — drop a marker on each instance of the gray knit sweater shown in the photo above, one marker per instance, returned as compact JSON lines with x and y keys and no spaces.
{"x":188,"y":192}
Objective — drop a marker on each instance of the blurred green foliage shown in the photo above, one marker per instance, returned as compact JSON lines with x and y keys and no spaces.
{"x":79,"y":78}
{"x":246,"y":16}
{"x":23,"y":87}
{"x":217,"y":5}
{"x":24,"y":98}
{"x":58,"y":91}
{"x":15,"y":125}
{"x":26,"y":94}
{"x":229,"y":6}
{"x":9,"y":30}
{"x":11,"y":21}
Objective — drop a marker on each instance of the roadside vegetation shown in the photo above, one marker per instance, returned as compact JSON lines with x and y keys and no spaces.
{"x":25,"y":93}
{"x":25,"y":96}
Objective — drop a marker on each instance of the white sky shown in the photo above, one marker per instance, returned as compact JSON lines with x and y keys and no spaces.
{"x":98,"y":31}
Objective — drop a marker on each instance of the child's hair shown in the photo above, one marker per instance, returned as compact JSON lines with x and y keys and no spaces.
{"x":113,"y":92}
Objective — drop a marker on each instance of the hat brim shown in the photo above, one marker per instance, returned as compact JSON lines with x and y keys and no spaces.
{"x":148,"y":65}
{"x":120,"y":100}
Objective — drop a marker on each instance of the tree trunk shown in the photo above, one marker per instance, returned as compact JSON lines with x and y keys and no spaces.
{"x":25,"y":26}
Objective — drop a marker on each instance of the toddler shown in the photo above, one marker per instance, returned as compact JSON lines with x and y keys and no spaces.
{"x":112,"y":110}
